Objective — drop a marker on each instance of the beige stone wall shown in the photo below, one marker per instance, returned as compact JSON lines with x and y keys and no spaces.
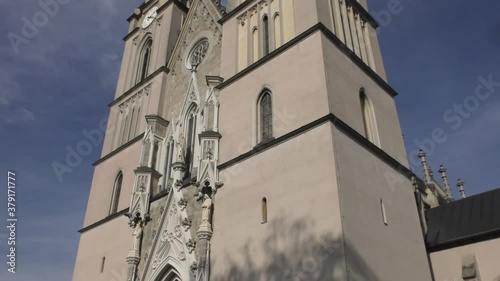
{"x":164,"y":31}
{"x":298,"y":97}
{"x":103,"y":181}
{"x":447,"y":264}
{"x":112,"y":241}
{"x":374,"y":250}
{"x":296,"y":16}
{"x":345,"y":79}
{"x":303,"y":235}
{"x":149,"y":104}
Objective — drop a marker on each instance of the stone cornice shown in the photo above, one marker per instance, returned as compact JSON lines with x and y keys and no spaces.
{"x":358,"y":7}
{"x":131,"y":33}
{"x":123,"y":212}
{"x":488,"y":235}
{"x":364,"y":13}
{"x":121,"y":148}
{"x":143,"y":6}
{"x":106,"y":219}
{"x":140,"y":84}
{"x":235,"y":11}
{"x":334,"y":39}
{"x":340,"y":125}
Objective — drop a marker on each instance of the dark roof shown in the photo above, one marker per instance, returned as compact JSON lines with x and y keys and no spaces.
{"x":464,"y":221}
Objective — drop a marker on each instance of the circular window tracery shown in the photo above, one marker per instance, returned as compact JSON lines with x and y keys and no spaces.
{"x":198,"y":53}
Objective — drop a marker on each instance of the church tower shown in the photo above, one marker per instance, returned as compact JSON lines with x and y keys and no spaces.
{"x":254,"y":141}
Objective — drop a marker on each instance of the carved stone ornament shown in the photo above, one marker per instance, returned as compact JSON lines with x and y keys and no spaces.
{"x":177,"y":231}
{"x":182,"y":204}
{"x":173,"y":210}
{"x":164,"y":236}
{"x":186,"y":223}
{"x":204,"y":235}
{"x":198,"y":53}
{"x":182,"y":256}
{"x":191,"y":245}
{"x":194,"y":266}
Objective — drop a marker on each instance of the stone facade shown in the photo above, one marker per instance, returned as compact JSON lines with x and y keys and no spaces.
{"x":326,"y":195}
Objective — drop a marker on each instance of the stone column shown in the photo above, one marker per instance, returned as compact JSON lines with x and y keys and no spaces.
{"x":134,"y":255}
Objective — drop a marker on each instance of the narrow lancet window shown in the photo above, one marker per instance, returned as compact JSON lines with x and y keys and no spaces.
{"x":190,"y":139}
{"x":102,"y":264}
{"x":369,"y":122}
{"x":115,"y":197}
{"x":255,"y":45}
{"x":264,"y":210}
{"x":145,"y":58}
{"x":384,"y":214}
{"x":266,"y":117}
{"x":265,"y":26}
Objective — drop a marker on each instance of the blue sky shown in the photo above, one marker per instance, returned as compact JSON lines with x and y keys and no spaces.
{"x":60,"y":82}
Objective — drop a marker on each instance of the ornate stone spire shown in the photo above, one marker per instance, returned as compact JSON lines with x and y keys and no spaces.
{"x":447,"y":189}
{"x":427,"y":171}
{"x":460,"y":185}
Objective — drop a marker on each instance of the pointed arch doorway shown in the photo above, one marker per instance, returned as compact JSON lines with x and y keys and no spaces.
{"x":170,"y":274}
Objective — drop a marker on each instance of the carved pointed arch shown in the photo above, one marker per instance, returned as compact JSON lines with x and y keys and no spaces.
{"x":169,"y":250}
{"x":170,"y":273}
{"x":192,"y":97}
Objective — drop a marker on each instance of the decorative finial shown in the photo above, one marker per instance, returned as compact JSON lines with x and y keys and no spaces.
{"x":427,"y":172}
{"x":414,"y":183}
{"x":447,"y":189}
{"x":460,"y":185}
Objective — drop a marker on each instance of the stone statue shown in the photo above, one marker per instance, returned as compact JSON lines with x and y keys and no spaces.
{"x":180,"y":150}
{"x":137,"y":235}
{"x":206,"y":211}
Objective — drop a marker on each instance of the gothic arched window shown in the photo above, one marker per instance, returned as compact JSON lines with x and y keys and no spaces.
{"x":265,"y":125}
{"x":145,"y":58}
{"x":168,"y":163}
{"x":369,"y":122}
{"x":115,"y":196}
{"x":190,"y":133}
{"x":265,"y":34}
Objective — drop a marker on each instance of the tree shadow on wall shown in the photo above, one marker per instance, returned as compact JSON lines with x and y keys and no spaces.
{"x":292,"y":250}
